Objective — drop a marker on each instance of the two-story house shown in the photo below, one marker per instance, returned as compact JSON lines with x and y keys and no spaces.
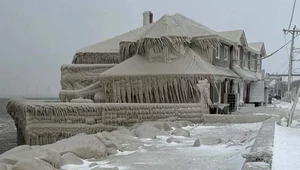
{"x":245,"y":61}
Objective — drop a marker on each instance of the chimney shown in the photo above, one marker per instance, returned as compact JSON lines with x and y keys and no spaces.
{"x":147,"y":18}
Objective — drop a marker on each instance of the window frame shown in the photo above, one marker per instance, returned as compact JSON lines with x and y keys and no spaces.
{"x":216,"y":52}
{"x":245,"y":58}
{"x":226,"y":53}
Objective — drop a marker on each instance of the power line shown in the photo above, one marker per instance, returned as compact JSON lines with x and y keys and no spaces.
{"x":282,"y":66}
{"x":285,"y":71}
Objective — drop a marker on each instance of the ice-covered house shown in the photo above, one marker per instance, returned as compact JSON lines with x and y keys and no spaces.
{"x":174,"y":67}
{"x":161,"y":62}
{"x":247,"y":63}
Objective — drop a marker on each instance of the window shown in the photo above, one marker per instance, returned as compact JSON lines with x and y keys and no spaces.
{"x":241,"y":57}
{"x":216,"y":53}
{"x":236,"y":57}
{"x":255,"y":62}
{"x":259,"y":63}
{"x":249,"y":60}
{"x":245,"y":60}
{"x":226,"y":52}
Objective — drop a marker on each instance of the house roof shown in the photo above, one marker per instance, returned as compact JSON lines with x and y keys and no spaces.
{"x":185,"y":25}
{"x":165,"y":26}
{"x":168,"y":31}
{"x":246,"y":74}
{"x":112,"y":44}
{"x":237,"y":36}
{"x":258,"y":46}
{"x":189,"y":64}
{"x":234,"y":35}
{"x":240,"y":37}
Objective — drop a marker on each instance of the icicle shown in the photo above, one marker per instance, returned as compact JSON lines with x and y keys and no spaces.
{"x":176,"y":90}
{"x":161,"y":90}
{"x":165,"y":88}
{"x":184,"y":89}
{"x":170,"y":90}
{"x":123,"y":91}
{"x":141,"y":90}
{"x":147,"y":90}
{"x":114,"y":92}
{"x":118,"y":91}
{"x":155,"y":86}
{"x":180,"y":90}
{"x":128,"y":89}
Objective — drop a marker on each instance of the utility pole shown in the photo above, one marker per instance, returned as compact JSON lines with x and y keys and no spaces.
{"x":293,"y":32}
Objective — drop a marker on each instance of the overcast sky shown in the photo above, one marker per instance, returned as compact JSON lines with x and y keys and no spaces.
{"x":38,"y":36}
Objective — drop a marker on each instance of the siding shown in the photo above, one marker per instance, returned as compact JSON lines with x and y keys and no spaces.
{"x":221,"y":60}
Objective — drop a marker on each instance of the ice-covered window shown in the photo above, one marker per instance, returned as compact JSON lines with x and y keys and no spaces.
{"x":216,"y":52}
{"x":226,"y":52}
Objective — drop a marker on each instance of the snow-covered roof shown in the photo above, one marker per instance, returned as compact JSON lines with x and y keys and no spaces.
{"x":189,"y":64}
{"x":188,"y":27}
{"x":237,"y":36}
{"x":258,"y":46}
{"x":112,"y":44}
{"x":178,"y":24}
{"x":246,"y":74}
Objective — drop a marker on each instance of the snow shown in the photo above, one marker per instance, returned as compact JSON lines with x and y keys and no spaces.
{"x":261,"y":114}
{"x":125,"y":152}
{"x":177,"y":156}
{"x":258,"y":165}
{"x":283,"y":105}
{"x":84,"y":166}
{"x":295,"y":123}
{"x":286,"y":148}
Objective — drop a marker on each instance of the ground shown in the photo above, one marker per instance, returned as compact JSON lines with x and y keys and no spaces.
{"x":287,"y":141}
{"x":286,"y":148}
{"x":221,"y":149}
{"x":229,"y":142}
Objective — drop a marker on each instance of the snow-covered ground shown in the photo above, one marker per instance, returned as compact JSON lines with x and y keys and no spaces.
{"x":229,"y":142}
{"x":284,"y":105}
{"x":286,"y":148}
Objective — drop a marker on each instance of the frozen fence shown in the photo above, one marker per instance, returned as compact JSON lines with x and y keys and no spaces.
{"x":41,"y":123}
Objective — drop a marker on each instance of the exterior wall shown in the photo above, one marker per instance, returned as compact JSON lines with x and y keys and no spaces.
{"x":219,"y":57}
{"x":79,"y":76}
{"x":202,"y":53}
{"x":96,"y":58}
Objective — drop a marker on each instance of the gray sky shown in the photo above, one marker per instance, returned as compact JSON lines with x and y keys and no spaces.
{"x":38,"y":36}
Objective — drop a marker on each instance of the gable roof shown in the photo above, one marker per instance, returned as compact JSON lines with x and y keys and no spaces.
{"x":258,"y":46}
{"x":237,"y":36}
